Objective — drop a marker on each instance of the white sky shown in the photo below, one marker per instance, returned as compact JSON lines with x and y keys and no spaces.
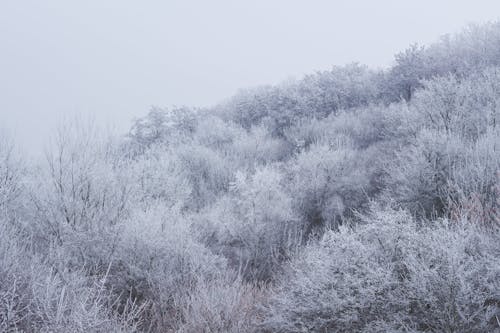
{"x":112,"y":59}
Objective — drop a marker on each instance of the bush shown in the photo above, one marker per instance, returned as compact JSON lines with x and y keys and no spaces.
{"x":159,"y":264}
{"x":327,"y":184}
{"x":222,"y":305}
{"x":81,"y":188}
{"x":390,"y":274}
{"x":12,"y":173}
{"x":208,"y":174}
{"x":158,"y":176}
{"x":167,"y":126}
{"x":255,"y":227}
{"x":257,"y":147}
{"x":466,"y":107}
{"x":38,"y":296}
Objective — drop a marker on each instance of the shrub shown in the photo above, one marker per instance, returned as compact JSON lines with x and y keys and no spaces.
{"x":158,"y":176}
{"x":208,"y":174}
{"x":327,"y":183}
{"x":12,"y":173}
{"x":467,"y":107}
{"x":167,"y":126}
{"x":158,"y":262}
{"x":257,"y":147}
{"x":390,"y":274}
{"x":255,"y":227}
{"x":222,"y":305}
{"x":39,"y":296}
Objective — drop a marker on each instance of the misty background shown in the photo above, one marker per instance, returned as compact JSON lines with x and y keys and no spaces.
{"x":112,"y":60}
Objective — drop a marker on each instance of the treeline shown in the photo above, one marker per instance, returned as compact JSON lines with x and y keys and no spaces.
{"x":352,"y":200}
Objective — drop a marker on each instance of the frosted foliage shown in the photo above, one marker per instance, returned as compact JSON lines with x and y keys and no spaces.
{"x":256,"y":228}
{"x":11,"y":173}
{"x":160,"y":176}
{"x":327,"y":183}
{"x":390,"y":275}
{"x":464,"y":107}
{"x":349,"y":200}
{"x":81,"y":189}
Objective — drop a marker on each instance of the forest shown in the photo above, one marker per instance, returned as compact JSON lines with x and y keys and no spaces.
{"x":348,"y":200}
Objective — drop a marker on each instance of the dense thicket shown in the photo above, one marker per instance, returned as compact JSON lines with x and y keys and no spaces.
{"x":352,"y":200}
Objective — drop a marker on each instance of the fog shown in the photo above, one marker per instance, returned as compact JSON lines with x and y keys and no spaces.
{"x":112,"y":60}
{"x":354,"y":186}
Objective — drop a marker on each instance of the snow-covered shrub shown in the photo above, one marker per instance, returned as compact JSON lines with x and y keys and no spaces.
{"x":391,"y":125}
{"x":81,"y":187}
{"x":158,"y":176}
{"x":37,"y":295}
{"x":254,"y":227}
{"x":474,"y":184}
{"x":216,"y":133}
{"x":168,"y":126}
{"x":267,"y":227}
{"x":12,"y":172}
{"x":159,"y":260}
{"x":441,"y":173}
{"x":316,"y":95}
{"x":258,"y":147}
{"x":454,"y":159}
{"x":207,"y":171}
{"x":222,"y":305}
{"x":309,"y":131}
{"x":340,"y":88}
{"x":327,"y":183}
{"x":419,"y":175}
{"x":390,"y":274}
{"x":467,"y":107}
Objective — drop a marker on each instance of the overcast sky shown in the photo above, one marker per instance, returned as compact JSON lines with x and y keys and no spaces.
{"x":112,"y":59}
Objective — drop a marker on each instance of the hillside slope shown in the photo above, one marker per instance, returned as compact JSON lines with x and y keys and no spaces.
{"x":351,"y":200}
